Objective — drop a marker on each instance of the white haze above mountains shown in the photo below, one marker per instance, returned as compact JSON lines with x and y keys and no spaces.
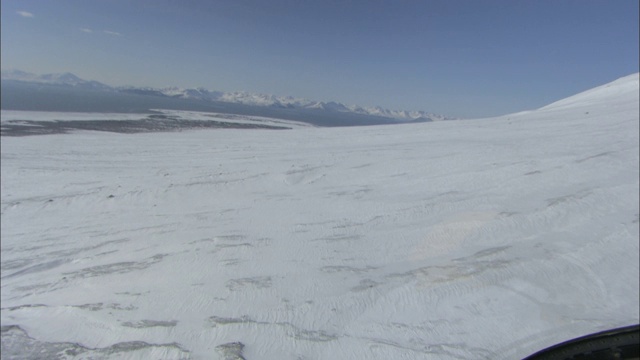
{"x":240,"y":97}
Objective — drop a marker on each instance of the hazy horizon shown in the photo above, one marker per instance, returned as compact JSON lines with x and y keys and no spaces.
{"x":462,"y":59}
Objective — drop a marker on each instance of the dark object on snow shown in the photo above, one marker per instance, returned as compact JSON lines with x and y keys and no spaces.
{"x":622,"y":343}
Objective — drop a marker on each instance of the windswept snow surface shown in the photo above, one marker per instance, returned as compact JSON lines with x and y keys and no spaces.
{"x":479,"y":239}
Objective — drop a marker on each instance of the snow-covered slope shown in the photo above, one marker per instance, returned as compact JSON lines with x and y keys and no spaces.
{"x":483,"y":239}
{"x":608,"y":96}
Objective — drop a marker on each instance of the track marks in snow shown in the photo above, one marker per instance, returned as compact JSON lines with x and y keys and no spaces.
{"x":143,"y":324}
{"x":348,"y":269}
{"x":424,"y":347}
{"x":305,"y":174}
{"x":46,"y":201}
{"x":257,"y":282}
{"x":107,"y":306}
{"x":356,"y":192}
{"x":606,"y":153}
{"x":88,"y":307}
{"x":63,"y":257}
{"x":37,"y":268}
{"x":222,"y":181}
{"x":116,"y":268}
{"x":429,"y":275}
{"x":576,"y":197}
{"x":20,"y":307}
{"x":339,"y":238}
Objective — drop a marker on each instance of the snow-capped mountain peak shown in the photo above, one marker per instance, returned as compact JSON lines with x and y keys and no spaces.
{"x":238,"y":97}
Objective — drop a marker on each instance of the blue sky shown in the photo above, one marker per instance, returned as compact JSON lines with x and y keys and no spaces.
{"x":459,"y":58}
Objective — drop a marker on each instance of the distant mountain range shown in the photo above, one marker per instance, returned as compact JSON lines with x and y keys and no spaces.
{"x":67,"y":79}
{"x":244,"y":98}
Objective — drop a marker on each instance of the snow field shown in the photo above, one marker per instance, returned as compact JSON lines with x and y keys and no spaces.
{"x":474,"y":239}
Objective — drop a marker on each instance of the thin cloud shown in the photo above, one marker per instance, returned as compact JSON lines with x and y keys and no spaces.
{"x":112,"y":33}
{"x":89,"y":31}
{"x":25,"y":14}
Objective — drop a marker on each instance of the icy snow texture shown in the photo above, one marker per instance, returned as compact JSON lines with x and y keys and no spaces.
{"x":479,"y":239}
